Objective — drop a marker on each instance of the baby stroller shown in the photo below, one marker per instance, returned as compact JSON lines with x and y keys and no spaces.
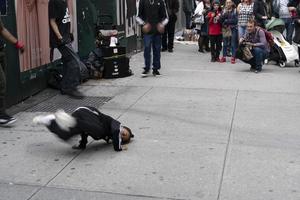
{"x":282,"y":52}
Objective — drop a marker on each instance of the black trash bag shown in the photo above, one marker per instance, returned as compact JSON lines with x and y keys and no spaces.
{"x":55,"y":78}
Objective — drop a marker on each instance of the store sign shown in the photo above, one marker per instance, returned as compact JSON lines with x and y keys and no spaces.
{"x":3,"y":7}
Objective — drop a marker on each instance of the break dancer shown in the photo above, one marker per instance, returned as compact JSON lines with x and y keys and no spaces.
{"x":86,"y":121}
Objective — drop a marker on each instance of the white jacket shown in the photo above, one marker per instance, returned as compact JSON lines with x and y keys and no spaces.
{"x":199,"y":9}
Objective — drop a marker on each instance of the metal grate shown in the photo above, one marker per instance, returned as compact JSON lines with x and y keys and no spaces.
{"x":68,"y":104}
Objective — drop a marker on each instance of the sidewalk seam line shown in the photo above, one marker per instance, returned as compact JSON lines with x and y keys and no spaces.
{"x":135,"y":102}
{"x":227,"y":146}
{"x":44,"y":186}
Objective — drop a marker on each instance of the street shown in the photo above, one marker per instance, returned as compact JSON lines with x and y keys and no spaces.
{"x":211,"y":131}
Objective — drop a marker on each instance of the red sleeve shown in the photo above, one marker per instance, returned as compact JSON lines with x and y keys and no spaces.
{"x":210,"y":18}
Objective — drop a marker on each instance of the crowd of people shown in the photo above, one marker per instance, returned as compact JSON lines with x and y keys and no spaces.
{"x":233,"y":22}
{"x":222,"y":26}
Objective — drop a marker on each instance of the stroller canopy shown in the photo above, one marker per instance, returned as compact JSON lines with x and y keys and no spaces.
{"x":276,"y":24}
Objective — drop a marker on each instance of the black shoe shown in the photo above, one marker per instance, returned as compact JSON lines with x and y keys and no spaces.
{"x":252,"y":69}
{"x":213,"y":60}
{"x":145,"y":73}
{"x":170,"y":50}
{"x":79,"y":147}
{"x":73,"y":94}
{"x":201,"y":50}
{"x":6,"y":120}
{"x":155,"y":72}
{"x":163,"y":49}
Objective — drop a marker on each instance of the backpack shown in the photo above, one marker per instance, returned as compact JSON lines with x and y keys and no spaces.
{"x":269,"y":37}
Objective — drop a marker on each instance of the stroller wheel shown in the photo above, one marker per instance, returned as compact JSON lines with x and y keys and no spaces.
{"x":282,"y":64}
{"x":297,"y":64}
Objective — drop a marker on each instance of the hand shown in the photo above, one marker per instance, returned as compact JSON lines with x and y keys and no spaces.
{"x":19,"y":45}
{"x":124,"y":147}
{"x":264,"y":17}
{"x":213,"y":14}
{"x":147,"y":28}
{"x":72,"y":37}
{"x":242,"y":40}
{"x":63,"y":42}
{"x":249,"y":44}
{"x":160,"y":28}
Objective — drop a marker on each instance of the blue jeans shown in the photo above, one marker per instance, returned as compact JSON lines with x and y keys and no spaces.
{"x":242,"y":30}
{"x":233,"y":41}
{"x":259,"y":56}
{"x":289,"y":28}
{"x":152,"y":41}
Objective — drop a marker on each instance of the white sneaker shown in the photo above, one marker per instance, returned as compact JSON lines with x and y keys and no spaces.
{"x":64,"y":120}
{"x":43,"y":119}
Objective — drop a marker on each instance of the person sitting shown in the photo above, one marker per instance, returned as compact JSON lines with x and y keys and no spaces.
{"x":86,"y":121}
{"x":255,"y":38}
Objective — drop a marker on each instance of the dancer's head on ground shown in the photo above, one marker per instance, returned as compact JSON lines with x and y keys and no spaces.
{"x":126,"y":135}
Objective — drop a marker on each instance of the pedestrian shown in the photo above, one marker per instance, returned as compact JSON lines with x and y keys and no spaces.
{"x":168,"y":36}
{"x":229,"y":29}
{"x":261,"y":12}
{"x":199,"y":21}
{"x":294,"y":7}
{"x":5,"y":119}
{"x":255,"y":39}
{"x":188,"y":7}
{"x":61,"y":38}
{"x":86,"y":121}
{"x":153,"y":17}
{"x":245,"y":13}
{"x":204,"y":37}
{"x":215,"y":31}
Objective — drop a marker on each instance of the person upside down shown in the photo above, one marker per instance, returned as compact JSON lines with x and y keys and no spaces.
{"x":86,"y":121}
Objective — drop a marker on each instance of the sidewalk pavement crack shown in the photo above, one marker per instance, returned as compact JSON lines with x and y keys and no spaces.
{"x":134,"y":103}
{"x":41,"y":187}
{"x":227,"y":146}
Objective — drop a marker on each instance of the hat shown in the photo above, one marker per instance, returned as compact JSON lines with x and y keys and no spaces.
{"x":216,"y":2}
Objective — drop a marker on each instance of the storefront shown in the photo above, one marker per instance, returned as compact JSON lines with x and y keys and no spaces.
{"x":28,"y":19}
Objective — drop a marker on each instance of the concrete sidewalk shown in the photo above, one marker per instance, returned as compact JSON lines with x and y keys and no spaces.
{"x":203,"y":131}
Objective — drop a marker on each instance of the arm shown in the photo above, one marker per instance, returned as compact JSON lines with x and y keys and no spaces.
{"x":10,"y":38}
{"x":55,"y":29}
{"x":164,"y":13}
{"x":262,"y":39}
{"x":140,"y":14}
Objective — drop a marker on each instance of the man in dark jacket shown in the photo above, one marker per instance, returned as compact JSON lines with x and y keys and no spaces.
{"x":86,"y":121}
{"x":188,"y":7}
{"x":260,"y":10}
{"x":5,"y":119}
{"x":61,"y":38}
{"x":153,"y":17}
{"x":168,"y":36}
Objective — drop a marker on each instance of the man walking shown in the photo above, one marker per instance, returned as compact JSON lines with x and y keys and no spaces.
{"x":153,"y":17}
{"x":168,"y":36}
{"x":61,"y":38}
{"x":5,"y":119}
